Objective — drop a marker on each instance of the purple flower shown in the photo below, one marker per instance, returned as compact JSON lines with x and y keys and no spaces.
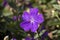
{"x":29,"y":5}
{"x":45,"y":33}
{"x":27,"y":38}
{"x":13,"y":39}
{"x":16,"y":17}
{"x":31,"y":20}
{"x":5,"y":3}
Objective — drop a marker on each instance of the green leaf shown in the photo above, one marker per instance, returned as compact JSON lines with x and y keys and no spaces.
{"x":56,"y":6}
{"x":54,"y":31}
{"x":1,"y":1}
{"x":36,"y":36}
{"x":43,"y":1}
{"x":40,"y":34}
{"x":53,"y":1}
{"x":53,"y":22}
{"x":58,"y":31}
{"x":12,"y":3}
{"x":1,"y":10}
{"x":7,"y":12}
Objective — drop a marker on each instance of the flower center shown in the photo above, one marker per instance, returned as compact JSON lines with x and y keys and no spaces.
{"x":32,"y":20}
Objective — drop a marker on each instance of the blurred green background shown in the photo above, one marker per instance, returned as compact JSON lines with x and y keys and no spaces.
{"x":10,"y":8}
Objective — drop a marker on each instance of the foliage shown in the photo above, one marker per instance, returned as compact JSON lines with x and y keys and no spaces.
{"x":49,"y":8}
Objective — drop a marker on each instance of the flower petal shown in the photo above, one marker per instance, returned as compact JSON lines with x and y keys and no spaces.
{"x":34,"y":11}
{"x":5,"y":2}
{"x":44,"y":35}
{"x":25,"y":25}
{"x":34,"y":27}
{"x":26,"y":16}
{"x":27,"y":38}
{"x":14,"y":18}
{"x":39,"y":18}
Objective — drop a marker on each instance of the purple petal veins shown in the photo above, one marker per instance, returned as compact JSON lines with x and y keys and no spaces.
{"x":34,"y":27}
{"x":34,"y":11}
{"x":26,"y":16}
{"x":31,"y":20}
{"x":25,"y":25}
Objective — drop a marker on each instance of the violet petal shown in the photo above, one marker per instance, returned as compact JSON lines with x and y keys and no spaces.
{"x":39,"y":18}
{"x":34,"y":27}
{"x":25,"y":25}
{"x":4,"y":3}
{"x":27,"y":38}
{"x":33,"y":11}
{"x":26,"y":16}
